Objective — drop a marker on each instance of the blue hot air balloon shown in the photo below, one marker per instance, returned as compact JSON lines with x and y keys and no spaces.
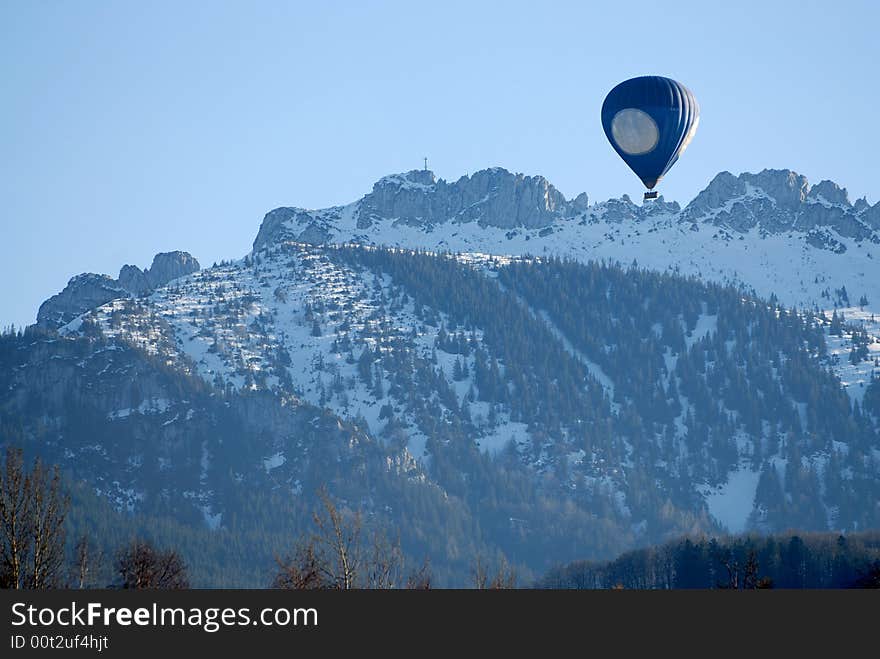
{"x":650,"y":121}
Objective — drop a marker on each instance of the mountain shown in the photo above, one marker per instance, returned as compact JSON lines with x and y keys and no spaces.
{"x":169,"y":449}
{"x":769,"y":231}
{"x":470,"y":365}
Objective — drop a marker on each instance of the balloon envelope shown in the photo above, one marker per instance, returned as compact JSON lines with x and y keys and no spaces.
{"x":650,"y":121}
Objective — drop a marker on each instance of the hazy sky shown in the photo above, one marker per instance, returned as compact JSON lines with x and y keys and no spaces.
{"x":129,"y":128}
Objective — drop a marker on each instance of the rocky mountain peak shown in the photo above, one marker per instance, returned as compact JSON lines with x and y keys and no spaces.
{"x":829,"y":192}
{"x":493,"y":197}
{"x":423,"y":178}
{"x":83,"y":292}
{"x":418,"y":208}
{"x":134,"y":280}
{"x":89,"y":290}
{"x":166,"y":266}
{"x":780,"y":200}
{"x":170,"y":265}
{"x":785,"y":187}
{"x":723,"y":187}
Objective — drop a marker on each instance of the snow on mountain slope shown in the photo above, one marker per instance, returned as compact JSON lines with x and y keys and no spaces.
{"x":290,"y":317}
{"x":292,"y":310}
{"x":732,"y":503}
{"x":856,"y":376}
{"x":770,"y":231}
{"x":297,"y":319}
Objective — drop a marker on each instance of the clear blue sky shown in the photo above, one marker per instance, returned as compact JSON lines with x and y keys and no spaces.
{"x":129,"y":128}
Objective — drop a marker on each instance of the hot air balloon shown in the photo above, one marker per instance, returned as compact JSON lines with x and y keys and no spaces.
{"x":650,"y":121}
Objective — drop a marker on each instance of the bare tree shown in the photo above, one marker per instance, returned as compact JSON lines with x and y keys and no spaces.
{"x":48,"y":535}
{"x":141,"y":566}
{"x":32,"y":535}
{"x":732,"y":567}
{"x":420,"y":579}
{"x":384,"y":568}
{"x":338,"y":555}
{"x":88,"y":564}
{"x":504,"y":577}
{"x":750,"y":575}
{"x":300,"y":570}
{"x":14,"y":515}
{"x":337,"y":542}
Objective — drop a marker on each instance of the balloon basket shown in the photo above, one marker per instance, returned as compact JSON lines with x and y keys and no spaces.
{"x":651,"y":195}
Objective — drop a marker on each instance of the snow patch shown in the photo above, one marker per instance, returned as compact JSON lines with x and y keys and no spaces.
{"x":274,"y":461}
{"x":732,"y":503}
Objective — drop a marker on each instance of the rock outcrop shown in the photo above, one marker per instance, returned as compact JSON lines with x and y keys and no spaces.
{"x":492,"y":197}
{"x":88,"y":290}
{"x":780,"y":200}
{"x":133,"y":279}
{"x":774,"y":201}
{"x":83,"y":292}
{"x":170,"y":265}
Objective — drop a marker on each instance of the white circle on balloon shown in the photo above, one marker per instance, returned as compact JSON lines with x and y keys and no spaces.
{"x":634,"y":131}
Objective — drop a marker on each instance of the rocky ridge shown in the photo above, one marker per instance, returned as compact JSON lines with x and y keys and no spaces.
{"x":89,"y":290}
{"x":775,"y":201}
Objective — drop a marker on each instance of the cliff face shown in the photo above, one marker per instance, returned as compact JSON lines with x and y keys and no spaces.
{"x":778,"y":201}
{"x":491,"y":197}
{"x":83,"y":292}
{"x":416,"y":209}
{"x":170,"y":265}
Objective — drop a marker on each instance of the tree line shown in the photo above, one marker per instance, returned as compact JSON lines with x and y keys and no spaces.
{"x":745,"y":562}
{"x":337,"y":553}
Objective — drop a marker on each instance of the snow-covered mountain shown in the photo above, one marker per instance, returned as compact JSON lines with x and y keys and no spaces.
{"x":770,"y":231}
{"x":564,"y":407}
